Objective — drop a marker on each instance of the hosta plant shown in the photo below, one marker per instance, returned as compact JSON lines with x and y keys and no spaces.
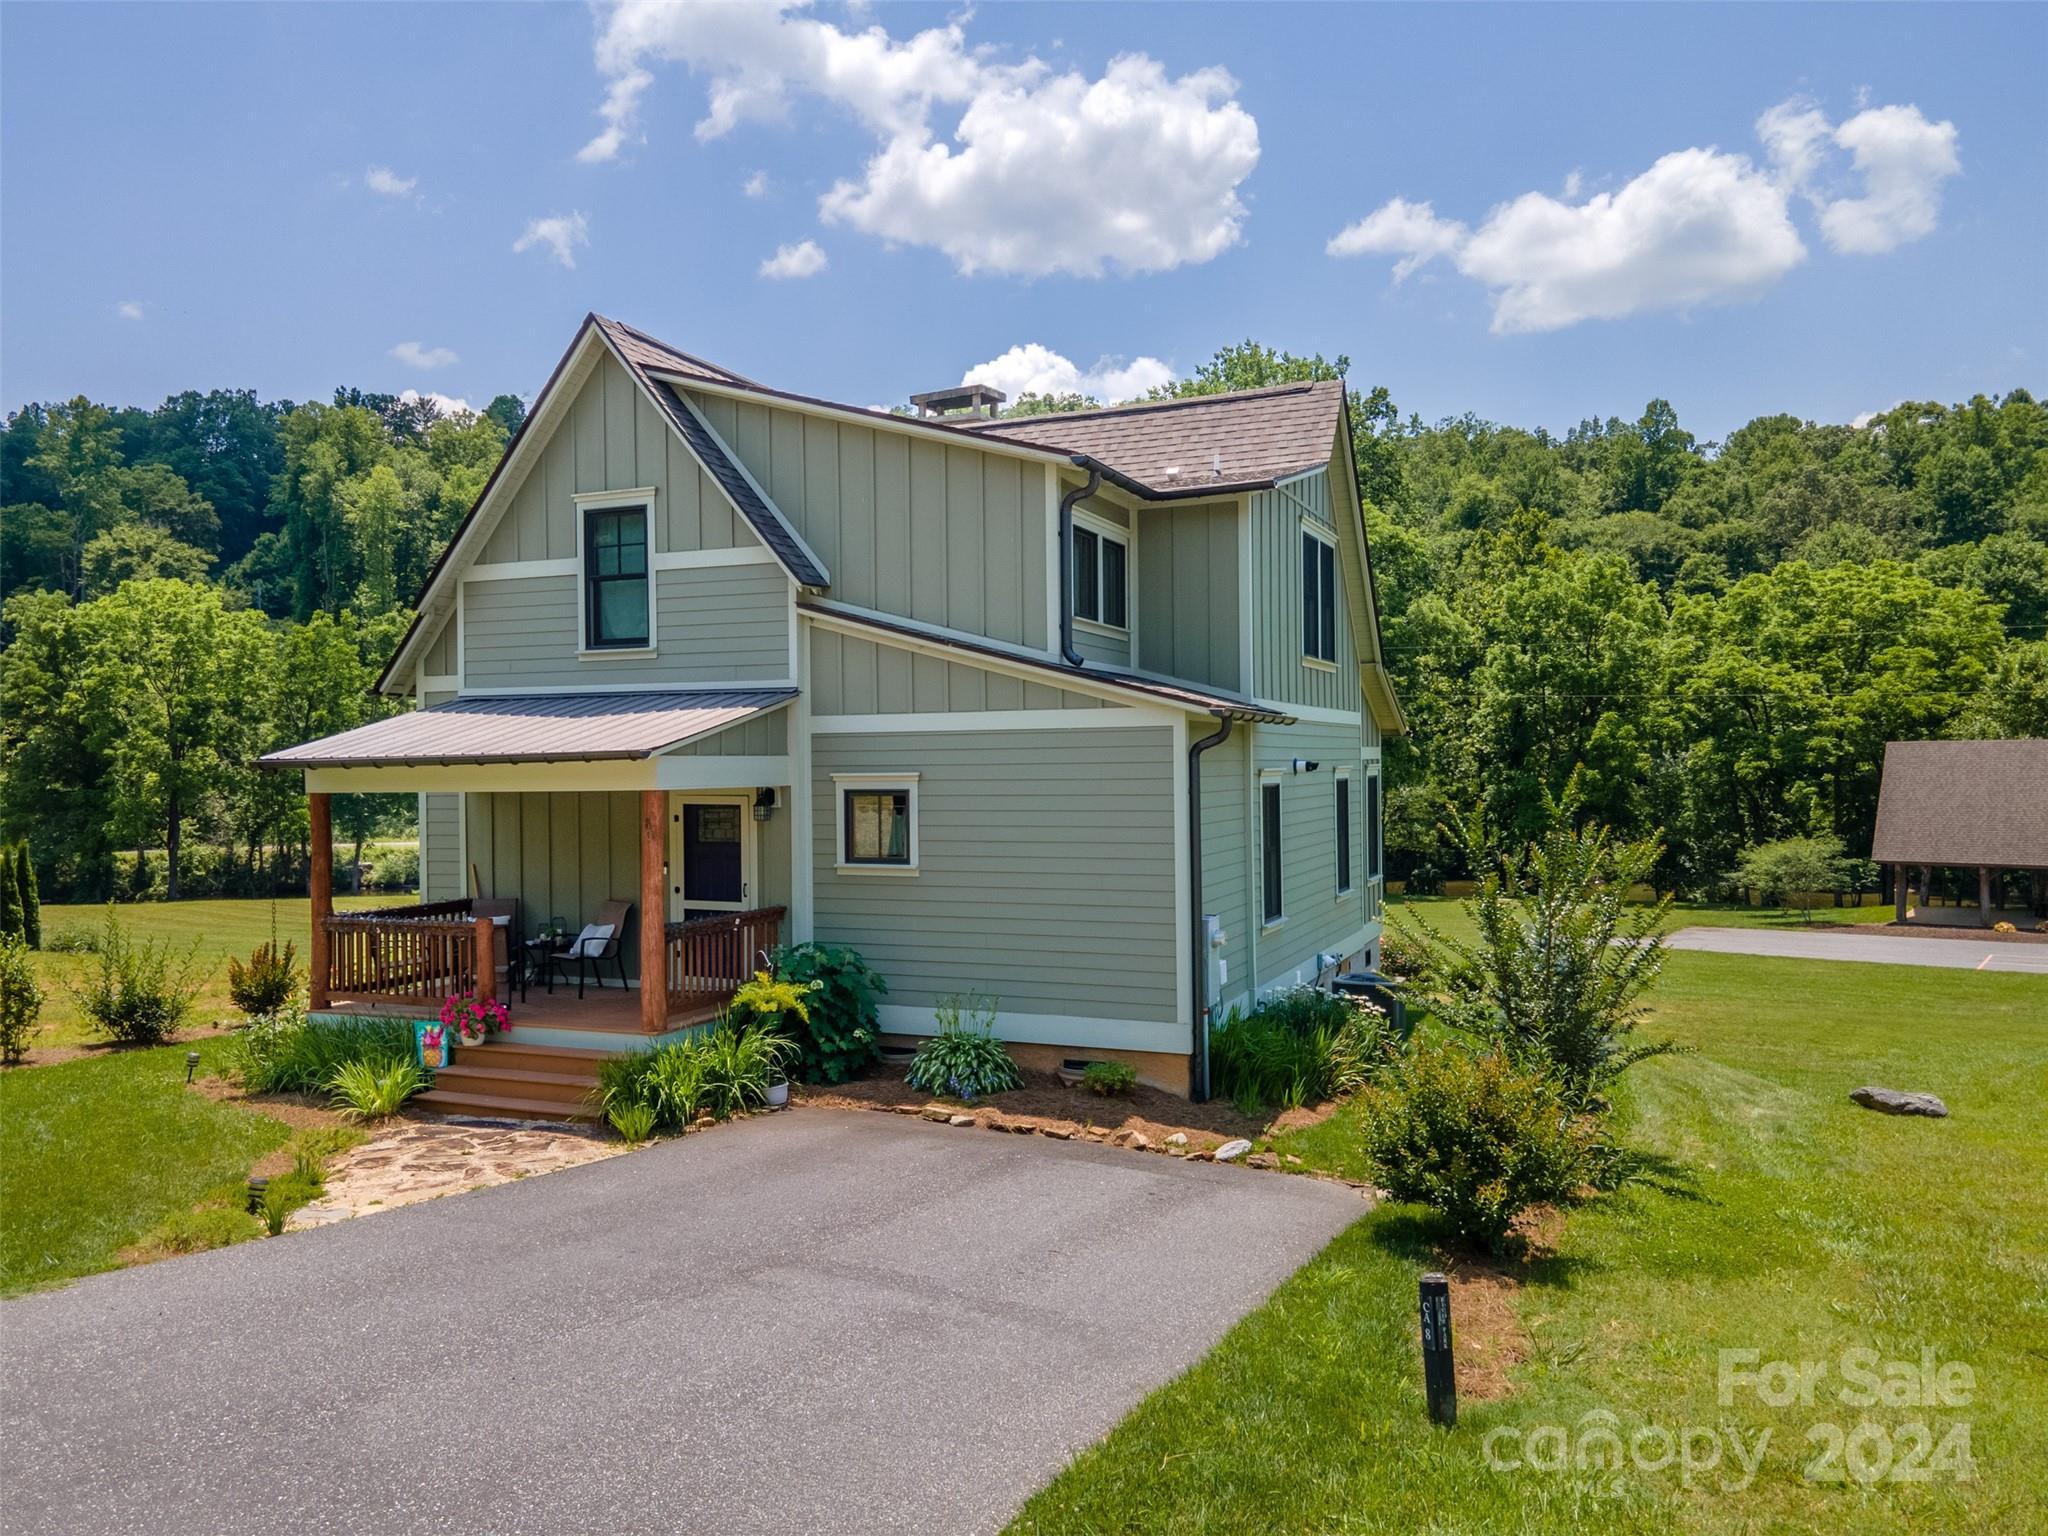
{"x":964,"y":1059}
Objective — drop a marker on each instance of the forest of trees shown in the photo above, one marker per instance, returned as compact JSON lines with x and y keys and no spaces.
{"x":1720,"y":636}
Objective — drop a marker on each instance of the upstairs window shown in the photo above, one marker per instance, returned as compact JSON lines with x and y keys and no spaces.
{"x":1101,"y":577}
{"x":1318,"y":597}
{"x":615,"y":605}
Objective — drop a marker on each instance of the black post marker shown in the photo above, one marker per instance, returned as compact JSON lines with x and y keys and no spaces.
{"x":1439,"y":1370}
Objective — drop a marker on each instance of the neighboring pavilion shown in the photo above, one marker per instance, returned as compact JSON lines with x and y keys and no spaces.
{"x":1979,"y":805}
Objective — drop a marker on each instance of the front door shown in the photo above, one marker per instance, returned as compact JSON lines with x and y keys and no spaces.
{"x":710,"y":856}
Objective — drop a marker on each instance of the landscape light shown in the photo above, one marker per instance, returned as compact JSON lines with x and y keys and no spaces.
{"x":191,"y":1066}
{"x":257,"y":1188}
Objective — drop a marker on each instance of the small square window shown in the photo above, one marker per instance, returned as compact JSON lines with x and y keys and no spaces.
{"x":877,"y":822}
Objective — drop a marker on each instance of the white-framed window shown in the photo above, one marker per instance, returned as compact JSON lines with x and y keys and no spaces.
{"x":1102,"y":573}
{"x":1318,"y":596}
{"x":1272,"y":877}
{"x":1343,"y":833}
{"x":876,"y":823}
{"x":615,"y":572}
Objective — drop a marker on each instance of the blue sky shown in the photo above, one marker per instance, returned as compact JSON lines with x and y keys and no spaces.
{"x":187,"y":198}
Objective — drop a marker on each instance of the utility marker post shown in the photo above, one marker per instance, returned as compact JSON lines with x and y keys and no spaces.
{"x":1439,"y":1370}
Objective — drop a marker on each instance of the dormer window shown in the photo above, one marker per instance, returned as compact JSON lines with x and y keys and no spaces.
{"x":615,"y":596}
{"x":1102,"y":562}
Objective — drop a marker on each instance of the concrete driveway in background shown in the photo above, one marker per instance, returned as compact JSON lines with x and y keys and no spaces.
{"x":1887,"y":949}
{"x":817,"y":1321}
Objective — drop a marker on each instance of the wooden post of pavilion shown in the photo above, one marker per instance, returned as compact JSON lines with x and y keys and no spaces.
{"x":319,"y":886}
{"x":653,"y":911}
{"x":1984,"y":894}
{"x":1898,"y":893}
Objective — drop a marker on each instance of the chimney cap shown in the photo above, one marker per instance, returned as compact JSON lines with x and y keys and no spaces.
{"x":978,"y":399}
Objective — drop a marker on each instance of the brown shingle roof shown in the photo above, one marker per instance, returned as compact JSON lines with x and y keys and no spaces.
{"x":1229,"y":442}
{"x":644,"y":351}
{"x":536,"y":728}
{"x":1964,"y":802}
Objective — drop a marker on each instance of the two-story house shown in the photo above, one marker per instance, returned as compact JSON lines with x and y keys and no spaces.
{"x":1081,"y":713}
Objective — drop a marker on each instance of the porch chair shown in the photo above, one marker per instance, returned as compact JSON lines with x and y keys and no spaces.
{"x":602,"y":939}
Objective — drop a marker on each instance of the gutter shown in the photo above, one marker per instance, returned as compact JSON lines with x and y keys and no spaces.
{"x":1198,"y":1065}
{"x":1072,"y":657}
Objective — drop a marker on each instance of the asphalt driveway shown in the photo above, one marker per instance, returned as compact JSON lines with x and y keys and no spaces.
{"x":1963,"y":954}
{"x":820,"y":1321}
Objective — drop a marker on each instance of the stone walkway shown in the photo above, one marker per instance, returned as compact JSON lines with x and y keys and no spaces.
{"x":411,"y":1161}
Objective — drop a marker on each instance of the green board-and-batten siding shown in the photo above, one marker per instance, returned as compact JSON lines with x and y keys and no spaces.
{"x":949,"y":534}
{"x":1045,"y":880}
{"x":1279,"y":669}
{"x":854,"y":676}
{"x":441,"y":874}
{"x":715,"y":624}
{"x":1186,"y":592}
{"x":560,"y":855}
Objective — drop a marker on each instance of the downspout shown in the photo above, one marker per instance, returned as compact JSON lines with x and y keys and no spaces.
{"x":1198,"y":1065}
{"x":1079,"y":493}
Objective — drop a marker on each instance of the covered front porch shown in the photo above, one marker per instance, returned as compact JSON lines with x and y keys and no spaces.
{"x":610,"y":868}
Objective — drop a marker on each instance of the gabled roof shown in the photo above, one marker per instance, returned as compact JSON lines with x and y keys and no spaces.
{"x":536,"y":728}
{"x":637,"y":349}
{"x":1964,"y":802}
{"x":1210,"y":701}
{"x":1203,"y":444}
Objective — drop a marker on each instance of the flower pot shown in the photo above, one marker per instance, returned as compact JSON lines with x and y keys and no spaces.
{"x":778,"y":1095}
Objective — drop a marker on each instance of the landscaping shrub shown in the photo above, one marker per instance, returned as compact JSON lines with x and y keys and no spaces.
{"x":139,"y":993}
{"x":1562,"y":959}
{"x":289,"y":1053}
{"x":395,"y":869}
{"x":720,"y":1073}
{"x":72,"y":941}
{"x":1300,"y":1046}
{"x":29,"y":894}
{"x":269,"y":980}
{"x":633,"y":1122}
{"x":10,"y":897}
{"x":1111,"y":1079}
{"x":964,"y":1059}
{"x":1477,"y":1139}
{"x":777,"y":1006}
{"x":21,"y":999}
{"x":841,"y":1034}
{"x":376,"y":1087}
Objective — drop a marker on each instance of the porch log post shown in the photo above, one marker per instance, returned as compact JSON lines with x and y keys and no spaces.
{"x":319,"y":886}
{"x":1898,"y":893}
{"x":1984,"y":894}
{"x":486,"y":960}
{"x":653,"y":909}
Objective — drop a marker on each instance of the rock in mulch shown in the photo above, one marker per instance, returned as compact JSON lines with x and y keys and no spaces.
{"x":1231,"y":1151}
{"x":1890,"y":1101}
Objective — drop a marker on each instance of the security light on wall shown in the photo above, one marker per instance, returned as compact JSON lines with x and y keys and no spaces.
{"x":1305,"y":765}
{"x":764,"y":804}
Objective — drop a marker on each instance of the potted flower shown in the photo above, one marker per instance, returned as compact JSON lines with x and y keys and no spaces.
{"x":474,"y":1019}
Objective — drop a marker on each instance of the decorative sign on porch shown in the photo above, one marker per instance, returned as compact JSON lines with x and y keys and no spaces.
{"x":433,"y":1044}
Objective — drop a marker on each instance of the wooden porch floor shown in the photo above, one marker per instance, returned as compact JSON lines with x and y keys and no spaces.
{"x":615,"y":1010}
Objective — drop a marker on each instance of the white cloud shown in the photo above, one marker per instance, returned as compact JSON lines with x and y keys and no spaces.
{"x":1700,"y":226}
{"x":448,"y":405}
{"x":756,"y":185}
{"x":804,"y":259}
{"x":561,"y":233}
{"x":1034,"y":369}
{"x":1042,"y":172}
{"x":620,"y":111}
{"x":1411,"y":229}
{"x":414,"y":355}
{"x":386,"y":182}
{"x":129,"y":309}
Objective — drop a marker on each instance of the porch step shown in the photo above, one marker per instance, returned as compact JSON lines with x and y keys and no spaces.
{"x":491,"y":1078}
{"x":499,"y":1106}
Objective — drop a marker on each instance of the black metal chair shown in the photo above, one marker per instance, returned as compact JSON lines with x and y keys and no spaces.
{"x":587,"y":953}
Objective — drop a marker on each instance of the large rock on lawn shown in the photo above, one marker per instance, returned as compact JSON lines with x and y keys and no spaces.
{"x":1891,"y":1101}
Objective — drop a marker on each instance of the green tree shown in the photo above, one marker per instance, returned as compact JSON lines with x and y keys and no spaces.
{"x":30,"y":894}
{"x":1795,"y":869}
{"x":1032,"y":403}
{"x":375,"y":506}
{"x":508,"y":411}
{"x":1248,"y":365}
{"x":12,"y":924}
{"x":56,"y":779}
{"x":324,"y":447}
{"x":137,"y":551}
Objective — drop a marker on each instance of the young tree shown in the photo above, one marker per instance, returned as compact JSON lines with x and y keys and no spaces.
{"x":12,"y":924}
{"x":30,"y":895}
{"x":1795,"y":869}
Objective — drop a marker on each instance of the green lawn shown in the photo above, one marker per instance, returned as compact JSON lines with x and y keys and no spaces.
{"x":219,"y":928}
{"x":95,"y":1152}
{"x":1794,"y":1224}
{"x":1448,"y":915}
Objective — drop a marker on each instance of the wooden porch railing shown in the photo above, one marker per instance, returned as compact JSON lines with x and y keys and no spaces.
{"x":419,"y":954}
{"x":709,"y":957}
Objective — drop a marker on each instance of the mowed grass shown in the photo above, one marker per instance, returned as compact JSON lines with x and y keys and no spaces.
{"x":1447,"y":915}
{"x":1790,"y":1222}
{"x":219,"y":929}
{"x":95,"y":1152}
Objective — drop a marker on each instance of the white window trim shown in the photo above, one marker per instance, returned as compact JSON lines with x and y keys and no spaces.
{"x":1103,"y":528}
{"x":841,"y":784}
{"x":1271,"y":776}
{"x":1317,"y":531}
{"x":605,"y":501}
{"x":1343,"y":776}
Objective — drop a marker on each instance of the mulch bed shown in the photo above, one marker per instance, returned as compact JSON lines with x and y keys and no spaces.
{"x":1937,"y":931}
{"x":1048,"y":1106}
{"x":50,"y":1055}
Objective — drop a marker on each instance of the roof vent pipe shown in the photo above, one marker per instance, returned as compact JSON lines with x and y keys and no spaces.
{"x":1079,"y":493}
